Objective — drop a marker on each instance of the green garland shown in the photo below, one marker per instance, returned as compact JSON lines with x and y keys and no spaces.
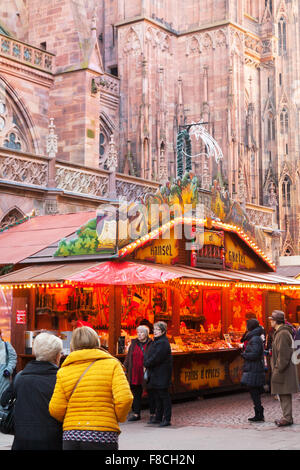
{"x":183,"y":137}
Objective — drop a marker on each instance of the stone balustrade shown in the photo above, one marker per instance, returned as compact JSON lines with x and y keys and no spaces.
{"x":26,"y":54}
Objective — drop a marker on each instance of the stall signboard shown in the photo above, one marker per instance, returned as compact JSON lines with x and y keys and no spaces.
{"x":159,"y":251}
{"x":207,"y":371}
{"x":236,"y":256}
{"x":21,"y":317}
{"x":199,"y":375}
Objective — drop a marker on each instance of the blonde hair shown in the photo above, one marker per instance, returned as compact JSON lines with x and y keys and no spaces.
{"x":84,"y":338}
{"x":46,"y":347}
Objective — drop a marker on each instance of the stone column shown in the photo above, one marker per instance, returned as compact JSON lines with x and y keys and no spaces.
{"x":112,"y":165}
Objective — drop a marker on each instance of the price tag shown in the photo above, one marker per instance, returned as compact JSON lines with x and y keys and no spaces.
{"x":21,"y":317}
{"x":227,"y":338}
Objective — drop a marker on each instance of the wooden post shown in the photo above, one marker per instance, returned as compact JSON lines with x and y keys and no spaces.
{"x":225,"y":310}
{"x":19,"y":302}
{"x":114,"y":318}
{"x":175,"y":296}
{"x":111,"y":321}
{"x":31,"y":309}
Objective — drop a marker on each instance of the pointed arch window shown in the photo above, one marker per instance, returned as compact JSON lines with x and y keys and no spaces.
{"x":284,"y":121}
{"x":11,"y":218}
{"x":269,"y":3}
{"x":282,"y":31}
{"x":286,"y":191}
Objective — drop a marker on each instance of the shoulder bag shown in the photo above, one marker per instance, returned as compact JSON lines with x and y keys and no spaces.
{"x":83,"y":373}
{"x":7,"y":425}
{"x":147,"y":372}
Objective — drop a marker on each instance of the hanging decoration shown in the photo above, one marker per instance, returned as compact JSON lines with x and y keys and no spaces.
{"x":183,"y":137}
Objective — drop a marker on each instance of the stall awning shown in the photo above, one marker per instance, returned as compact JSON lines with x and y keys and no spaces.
{"x":45,"y":273}
{"x":124,"y":272}
{"x":37,"y":233}
{"x":130,"y":273}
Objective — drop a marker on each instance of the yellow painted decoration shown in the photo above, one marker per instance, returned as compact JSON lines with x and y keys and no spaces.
{"x":235,"y":256}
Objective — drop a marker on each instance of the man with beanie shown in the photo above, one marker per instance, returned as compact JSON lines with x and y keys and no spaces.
{"x":254,"y":371}
{"x":284,"y":380}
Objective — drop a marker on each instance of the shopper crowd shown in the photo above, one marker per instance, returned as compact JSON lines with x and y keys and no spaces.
{"x":79,"y":404}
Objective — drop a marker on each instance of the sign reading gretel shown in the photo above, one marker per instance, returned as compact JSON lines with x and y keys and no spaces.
{"x":235,"y":255}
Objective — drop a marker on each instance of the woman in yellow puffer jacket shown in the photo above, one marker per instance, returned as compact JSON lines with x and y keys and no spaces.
{"x":91,"y":395}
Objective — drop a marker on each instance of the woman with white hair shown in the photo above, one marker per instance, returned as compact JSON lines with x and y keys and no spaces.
{"x":35,"y":429}
{"x":134,"y":364}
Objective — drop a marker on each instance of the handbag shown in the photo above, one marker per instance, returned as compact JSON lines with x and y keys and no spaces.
{"x":146,"y":376}
{"x":7,"y":424}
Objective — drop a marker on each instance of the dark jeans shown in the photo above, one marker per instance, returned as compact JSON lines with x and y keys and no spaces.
{"x":81,"y":445}
{"x":163,"y":404}
{"x":137,"y":391}
{"x":255,"y":393}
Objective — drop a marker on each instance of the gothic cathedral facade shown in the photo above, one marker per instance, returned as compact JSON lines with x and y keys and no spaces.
{"x":140,"y":69}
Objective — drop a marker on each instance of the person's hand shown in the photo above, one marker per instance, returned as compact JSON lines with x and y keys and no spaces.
{"x":6,"y":373}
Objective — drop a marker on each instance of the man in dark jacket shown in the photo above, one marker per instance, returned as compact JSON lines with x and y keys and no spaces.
{"x":158,"y":361}
{"x":284,"y":380}
{"x":33,"y":387}
{"x":254,"y":370}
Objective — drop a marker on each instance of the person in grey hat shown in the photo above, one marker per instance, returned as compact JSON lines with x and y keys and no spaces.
{"x":284,"y":380}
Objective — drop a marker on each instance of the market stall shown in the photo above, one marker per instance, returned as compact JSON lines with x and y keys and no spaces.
{"x":154,"y":279}
{"x":204,"y":276}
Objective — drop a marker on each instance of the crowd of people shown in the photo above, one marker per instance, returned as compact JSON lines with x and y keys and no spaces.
{"x":78,"y":405}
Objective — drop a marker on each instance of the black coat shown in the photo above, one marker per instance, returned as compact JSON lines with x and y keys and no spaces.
{"x":35,"y":429}
{"x":254,"y":368}
{"x":158,"y":360}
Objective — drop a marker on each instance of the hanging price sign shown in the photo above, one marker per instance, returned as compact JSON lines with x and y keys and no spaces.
{"x":21,"y":317}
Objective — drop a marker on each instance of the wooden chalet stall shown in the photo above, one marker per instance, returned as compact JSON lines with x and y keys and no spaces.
{"x":203,"y":289}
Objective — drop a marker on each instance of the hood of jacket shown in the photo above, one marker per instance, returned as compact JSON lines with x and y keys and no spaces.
{"x":256,"y":332}
{"x":86,"y":355}
{"x":39,"y":368}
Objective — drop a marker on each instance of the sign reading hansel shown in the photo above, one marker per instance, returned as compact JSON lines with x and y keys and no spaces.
{"x":21,"y":317}
{"x":159,"y":251}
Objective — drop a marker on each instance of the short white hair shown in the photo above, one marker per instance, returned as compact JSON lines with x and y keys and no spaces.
{"x":143,"y":328}
{"x":46,"y":347}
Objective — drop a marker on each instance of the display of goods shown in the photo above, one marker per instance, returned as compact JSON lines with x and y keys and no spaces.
{"x":197,"y":341}
{"x":235,"y":336}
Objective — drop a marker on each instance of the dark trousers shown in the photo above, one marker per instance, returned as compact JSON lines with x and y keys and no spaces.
{"x":137,"y":391}
{"x":255,"y":393}
{"x":81,"y":445}
{"x":163,"y":405}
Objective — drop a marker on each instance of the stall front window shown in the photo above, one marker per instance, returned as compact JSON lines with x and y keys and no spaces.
{"x":246,"y":303}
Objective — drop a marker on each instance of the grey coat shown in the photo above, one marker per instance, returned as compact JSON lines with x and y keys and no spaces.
{"x":284,"y":379}
{"x":8,"y":362}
